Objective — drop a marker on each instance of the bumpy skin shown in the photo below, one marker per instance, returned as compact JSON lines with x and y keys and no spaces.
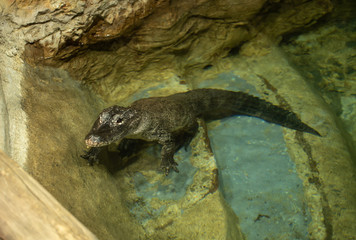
{"x":172,"y":121}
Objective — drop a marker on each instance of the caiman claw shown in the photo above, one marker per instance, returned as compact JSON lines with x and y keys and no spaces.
{"x":166,"y":166}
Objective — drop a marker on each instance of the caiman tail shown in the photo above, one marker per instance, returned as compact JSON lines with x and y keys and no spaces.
{"x":216,"y":104}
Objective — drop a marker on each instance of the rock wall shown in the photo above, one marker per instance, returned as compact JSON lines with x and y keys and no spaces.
{"x":105,"y":43}
{"x":327,"y":57}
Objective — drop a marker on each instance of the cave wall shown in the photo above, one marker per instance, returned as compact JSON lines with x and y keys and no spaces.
{"x":107,"y":44}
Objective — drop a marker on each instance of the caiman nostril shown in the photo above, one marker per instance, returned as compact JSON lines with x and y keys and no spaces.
{"x":92,"y":140}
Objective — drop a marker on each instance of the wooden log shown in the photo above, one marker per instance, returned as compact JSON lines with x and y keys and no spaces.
{"x":28,"y":211}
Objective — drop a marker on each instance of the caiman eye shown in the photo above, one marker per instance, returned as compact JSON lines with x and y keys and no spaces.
{"x":117,"y":120}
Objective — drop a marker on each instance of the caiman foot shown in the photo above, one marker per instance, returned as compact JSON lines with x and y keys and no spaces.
{"x":91,"y":156}
{"x":166,"y":166}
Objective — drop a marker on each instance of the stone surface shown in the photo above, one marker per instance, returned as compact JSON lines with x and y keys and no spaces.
{"x":57,"y":111}
{"x":258,"y":179}
{"x":327,"y":56}
{"x":13,"y":138}
{"x":325,"y":164}
{"x":111,"y":199}
{"x":124,"y":50}
{"x":181,"y":205}
{"x":106,"y":43}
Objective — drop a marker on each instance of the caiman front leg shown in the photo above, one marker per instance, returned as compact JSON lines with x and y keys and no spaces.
{"x":172,"y":143}
{"x":167,"y":153}
{"x":92,"y":155}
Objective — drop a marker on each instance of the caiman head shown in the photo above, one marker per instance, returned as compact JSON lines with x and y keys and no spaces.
{"x":113,"y":124}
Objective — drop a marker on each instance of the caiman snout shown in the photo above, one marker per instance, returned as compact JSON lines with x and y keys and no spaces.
{"x":92,"y":141}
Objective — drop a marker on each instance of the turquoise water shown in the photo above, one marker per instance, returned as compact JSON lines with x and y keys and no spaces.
{"x":259,"y":180}
{"x":172,"y":188}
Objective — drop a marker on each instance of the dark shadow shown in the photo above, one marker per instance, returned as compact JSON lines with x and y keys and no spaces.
{"x":128,"y":152}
